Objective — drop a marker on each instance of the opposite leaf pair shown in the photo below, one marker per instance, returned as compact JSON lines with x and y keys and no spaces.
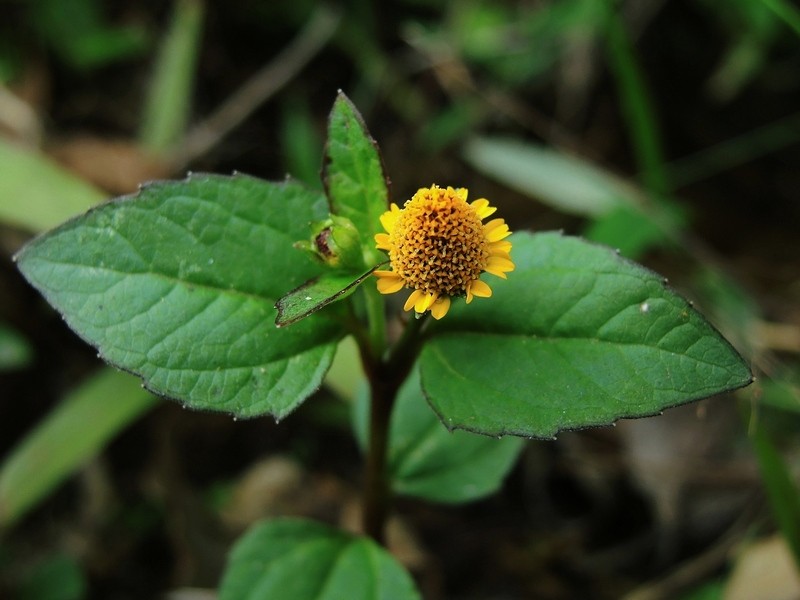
{"x":178,"y":284}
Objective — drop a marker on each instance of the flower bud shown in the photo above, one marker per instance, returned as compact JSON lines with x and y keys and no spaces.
{"x":335,"y":242}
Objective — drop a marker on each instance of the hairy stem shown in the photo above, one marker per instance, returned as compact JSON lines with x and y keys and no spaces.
{"x":385,"y":378}
{"x":377,"y":494}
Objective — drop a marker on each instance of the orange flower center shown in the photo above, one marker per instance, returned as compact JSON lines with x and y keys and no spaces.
{"x":438,"y":243}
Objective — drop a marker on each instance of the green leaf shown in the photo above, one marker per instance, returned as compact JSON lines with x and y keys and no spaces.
{"x":15,"y":352}
{"x":428,"y":461}
{"x":353,"y":175}
{"x":57,"y":577}
{"x":576,"y":337}
{"x":76,"y":430}
{"x":294,"y":559}
{"x":78,"y":31}
{"x":178,"y":284}
{"x":713,"y":590}
{"x":316,"y":294}
{"x":98,"y":48}
{"x":628,"y":230}
{"x":51,"y":194}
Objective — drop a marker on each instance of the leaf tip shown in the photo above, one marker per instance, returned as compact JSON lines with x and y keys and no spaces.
{"x":280,"y":322}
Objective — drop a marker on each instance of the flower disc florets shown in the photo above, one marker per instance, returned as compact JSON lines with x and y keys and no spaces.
{"x":438,"y":247}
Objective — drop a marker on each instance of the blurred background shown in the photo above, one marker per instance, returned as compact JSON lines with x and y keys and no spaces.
{"x":668,"y":129}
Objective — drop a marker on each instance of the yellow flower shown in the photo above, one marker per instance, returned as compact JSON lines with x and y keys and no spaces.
{"x":438,"y":247}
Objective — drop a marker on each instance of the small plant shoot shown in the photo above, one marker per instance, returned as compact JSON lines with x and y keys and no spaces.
{"x":231,"y":294}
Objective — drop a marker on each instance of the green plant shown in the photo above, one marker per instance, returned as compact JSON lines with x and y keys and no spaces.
{"x":77,"y":30}
{"x":183,"y":284}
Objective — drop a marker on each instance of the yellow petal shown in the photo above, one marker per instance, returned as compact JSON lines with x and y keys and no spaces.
{"x":440,"y":307}
{"x":389,"y":286}
{"x":424,"y":302}
{"x":389,"y":218}
{"x":502,"y":263}
{"x":382,"y":241}
{"x":500,"y":274}
{"x":500,"y":254}
{"x":499,"y":266}
{"x":495,"y":230}
{"x":501,"y":246}
{"x":462,"y":193}
{"x":481,"y":289}
{"x":481,"y":206}
{"x":389,"y":282}
{"x":412,"y":299}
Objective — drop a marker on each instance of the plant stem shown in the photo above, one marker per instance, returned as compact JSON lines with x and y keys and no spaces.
{"x":376,"y":480}
{"x":385,"y":378}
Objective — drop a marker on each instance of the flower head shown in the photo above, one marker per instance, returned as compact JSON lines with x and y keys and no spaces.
{"x":438,"y":247}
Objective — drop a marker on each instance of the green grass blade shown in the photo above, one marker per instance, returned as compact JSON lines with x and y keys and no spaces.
{"x":301,"y":142}
{"x":735,"y":151}
{"x":168,"y":102}
{"x":788,"y":13}
{"x":75,"y":431}
{"x":783,"y":494}
{"x":636,"y":105}
{"x":36,"y":194}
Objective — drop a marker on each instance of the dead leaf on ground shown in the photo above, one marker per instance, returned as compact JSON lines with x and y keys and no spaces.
{"x":764,"y":570}
{"x":117,"y":166}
